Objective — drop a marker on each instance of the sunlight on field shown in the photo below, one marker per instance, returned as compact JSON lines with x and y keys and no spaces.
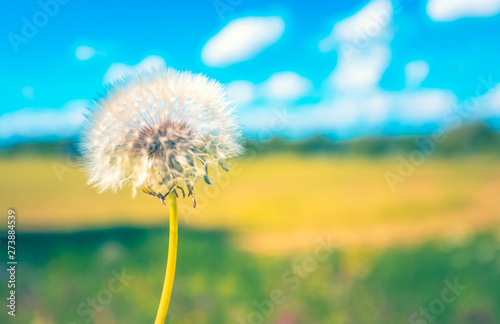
{"x":276,"y":202}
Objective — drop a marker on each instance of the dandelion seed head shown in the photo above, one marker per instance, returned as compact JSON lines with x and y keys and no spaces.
{"x":159,"y":130}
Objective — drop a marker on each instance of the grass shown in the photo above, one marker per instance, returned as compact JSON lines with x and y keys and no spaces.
{"x":68,"y":278}
{"x":254,"y":238}
{"x":302,"y":197}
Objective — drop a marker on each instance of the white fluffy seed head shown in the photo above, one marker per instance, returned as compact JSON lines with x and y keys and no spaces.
{"x":159,"y":130}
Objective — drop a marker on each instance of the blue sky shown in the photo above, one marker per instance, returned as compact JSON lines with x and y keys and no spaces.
{"x":341,"y":68}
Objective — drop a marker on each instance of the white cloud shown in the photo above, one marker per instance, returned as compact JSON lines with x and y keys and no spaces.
{"x":352,"y":114}
{"x":345,"y":114}
{"x":242,"y":39}
{"x":357,"y":102}
{"x":286,"y":86}
{"x":363,"y":44}
{"x":416,"y":72}
{"x":449,"y":10}
{"x":494,"y":100}
{"x":353,"y":102}
{"x":417,"y":107}
{"x":361,"y":71}
{"x":241,"y":91}
{"x":83,"y":53}
{"x":119,"y":70}
{"x":486,"y":105}
{"x":261,"y":119}
{"x":28,"y":92}
{"x":371,"y":22}
{"x":40,"y":122}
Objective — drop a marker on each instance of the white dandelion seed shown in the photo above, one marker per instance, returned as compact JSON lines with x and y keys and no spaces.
{"x":158,"y":131}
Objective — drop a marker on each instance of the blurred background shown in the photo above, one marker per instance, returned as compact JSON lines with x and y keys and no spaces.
{"x":368,"y":192}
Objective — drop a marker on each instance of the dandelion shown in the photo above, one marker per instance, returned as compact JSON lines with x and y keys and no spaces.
{"x":160,"y":132}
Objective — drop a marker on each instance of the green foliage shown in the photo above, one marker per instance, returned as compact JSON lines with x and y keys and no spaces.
{"x":58,"y":273}
{"x":464,"y":140}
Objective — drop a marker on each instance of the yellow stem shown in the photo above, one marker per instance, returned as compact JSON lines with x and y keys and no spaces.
{"x":172,"y":257}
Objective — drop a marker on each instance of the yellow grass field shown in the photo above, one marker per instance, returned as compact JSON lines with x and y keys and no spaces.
{"x":275,"y":203}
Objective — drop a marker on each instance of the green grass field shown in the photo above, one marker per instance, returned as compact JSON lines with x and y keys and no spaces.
{"x":253,"y":251}
{"x":70,"y":278}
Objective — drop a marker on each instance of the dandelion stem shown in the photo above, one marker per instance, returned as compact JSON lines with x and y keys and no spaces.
{"x":172,"y":257}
